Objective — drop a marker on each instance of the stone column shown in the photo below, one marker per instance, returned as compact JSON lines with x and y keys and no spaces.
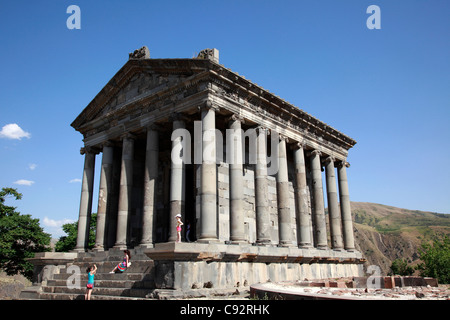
{"x":346,"y":214}
{"x":318,"y":203}
{"x":87,"y":186}
{"x":104,"y":195}
{"x":333,"y":207}
{"x":208,"y":180}
{"x":301,"y":199}
{"x":177,"y":180}
{"x":284,"y":208}
{"x":125,"y":192}
{"x":234,"y":150}
{"x":261,"y":189}
{"x":150,"y":179}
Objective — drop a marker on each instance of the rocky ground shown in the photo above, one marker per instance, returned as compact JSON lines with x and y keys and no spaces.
{"x":10,"y":286}
{"x":397,"y":293}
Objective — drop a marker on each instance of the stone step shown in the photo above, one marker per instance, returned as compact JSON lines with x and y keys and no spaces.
{"x":108,"y":276}
{"x":111,"y":255}
{"x":75,"y":296}
{"x":30,"y":293}
{"x":121,"y":292}
{"x":108,"y":284}
{"x":140,"y":266}
{"x":136,"y":282}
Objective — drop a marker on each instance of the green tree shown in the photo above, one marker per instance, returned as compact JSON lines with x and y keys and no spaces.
{"x":401,"y":267}
{"x":436,"y":259}
{"x":20,"y":237}
{"x":69,"y":242}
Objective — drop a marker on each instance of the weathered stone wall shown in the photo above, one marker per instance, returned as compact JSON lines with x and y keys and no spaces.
{"x":223,"y":203}
{"x":186,"y":275}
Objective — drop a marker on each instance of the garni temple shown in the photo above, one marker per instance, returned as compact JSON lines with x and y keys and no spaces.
{"x":242,"y":167}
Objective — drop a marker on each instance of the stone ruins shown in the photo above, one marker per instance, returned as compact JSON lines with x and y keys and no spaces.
{"x":242,"y":166}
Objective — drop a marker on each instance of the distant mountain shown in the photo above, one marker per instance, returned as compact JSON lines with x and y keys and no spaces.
{"x":384,"y":233}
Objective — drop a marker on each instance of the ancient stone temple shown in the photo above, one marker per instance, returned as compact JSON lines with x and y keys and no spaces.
{"x":242,"y":166}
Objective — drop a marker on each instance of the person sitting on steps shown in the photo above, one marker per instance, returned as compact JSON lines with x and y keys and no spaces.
{"x":122,"y":266}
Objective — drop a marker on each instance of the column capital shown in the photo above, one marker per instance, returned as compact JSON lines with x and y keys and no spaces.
{"x":154,"y":127}
{"x":234,"y":117}
{"x":128,"y":135}
{"x":177,"y":116}
{"x":314,"y":153}
{"x":343,"y":163}
{"x":329,"y":159}
{"x":297,"y":145}
{"x":283,"y":138}
{"x":207,"y":105}
{"x":262,"y":129}
{"x":89,"y":149}
{"x":107,"y":143}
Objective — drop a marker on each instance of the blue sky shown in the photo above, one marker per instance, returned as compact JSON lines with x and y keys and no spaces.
{"x":389,"y":89}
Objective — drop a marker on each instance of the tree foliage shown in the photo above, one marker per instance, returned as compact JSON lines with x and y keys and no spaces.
{"x":21,"y":237}
{"x":401,"y":267}
{"x":436,"y":259}
{"x":69,"y":242}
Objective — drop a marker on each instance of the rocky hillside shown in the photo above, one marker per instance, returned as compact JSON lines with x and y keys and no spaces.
{"x":384,"y":233}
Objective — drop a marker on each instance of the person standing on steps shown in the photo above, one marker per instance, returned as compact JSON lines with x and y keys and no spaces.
{"x":179,"y":224}
{"x":188,"y":231}
{"x":91,"y":270}
{"x":124,"y":264}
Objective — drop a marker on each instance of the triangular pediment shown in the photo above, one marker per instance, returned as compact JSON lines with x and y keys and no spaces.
{"x":138,"y":79}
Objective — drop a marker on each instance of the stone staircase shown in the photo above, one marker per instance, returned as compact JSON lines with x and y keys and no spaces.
{"x":136,"y":283}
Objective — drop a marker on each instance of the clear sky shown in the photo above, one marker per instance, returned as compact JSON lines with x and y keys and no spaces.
{"x":388,"y":88}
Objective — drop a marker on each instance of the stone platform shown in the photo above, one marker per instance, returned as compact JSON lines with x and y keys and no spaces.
{"x":187,"y":266}
{"x":180,"y":270}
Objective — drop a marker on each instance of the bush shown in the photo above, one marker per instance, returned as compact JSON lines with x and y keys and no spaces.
{"x":401,"y":267}
{"x":436,"y":259}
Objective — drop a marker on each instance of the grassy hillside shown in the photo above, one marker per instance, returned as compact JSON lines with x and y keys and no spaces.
{"x":384,"y":233}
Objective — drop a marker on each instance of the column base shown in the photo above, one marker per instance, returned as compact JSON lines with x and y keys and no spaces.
{"x":286,"y":244}
{"x":146,"y":245}
{"x":262,"y":243}
{"x":237,"y":242}
{"x":208,"y":240}
{"x":120,"y":247}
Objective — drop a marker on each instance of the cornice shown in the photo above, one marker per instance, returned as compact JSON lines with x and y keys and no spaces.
{"x":231,"y":86}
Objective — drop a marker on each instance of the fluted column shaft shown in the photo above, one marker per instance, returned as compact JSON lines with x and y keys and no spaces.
{"x":125,"y":192}
{"x":208,"y":180}
{"x":234,"y":151}
{"x":284,"y":210}
{"x":333,"y":206}
{"x":104,"y":195}
{"x":318,"y":203}
{"x":301,"y":197}
{"x":177,"y":180}
{"x":150,"y":179}
{"x":87,"y":187}
{"x":261,"y":189}
{"x":347,"y":224}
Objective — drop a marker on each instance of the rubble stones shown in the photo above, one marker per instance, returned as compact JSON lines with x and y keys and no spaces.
{"x":333,"y":288}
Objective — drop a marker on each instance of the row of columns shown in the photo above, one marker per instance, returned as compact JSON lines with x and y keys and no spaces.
{"x":340,"y":219}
